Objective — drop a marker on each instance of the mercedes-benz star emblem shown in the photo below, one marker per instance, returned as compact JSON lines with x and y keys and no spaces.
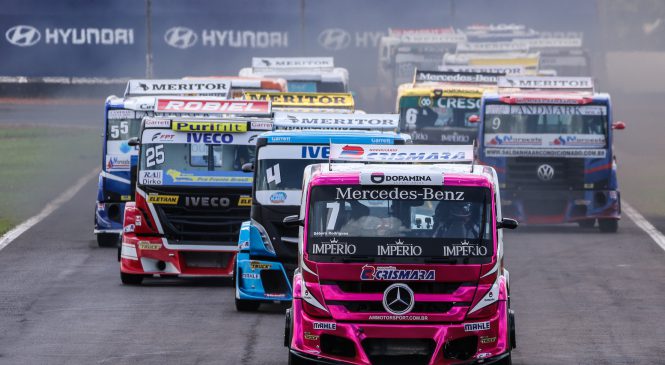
{"x":545,"y":172}
{"x":398,"y":299}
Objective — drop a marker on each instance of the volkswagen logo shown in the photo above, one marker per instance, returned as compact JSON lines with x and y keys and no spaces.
{"x":23,"y":35}
{"x":545,"y":172}
{"x":180,"y":37}
{"x":334,"y":39}
{"x":398,"y":299}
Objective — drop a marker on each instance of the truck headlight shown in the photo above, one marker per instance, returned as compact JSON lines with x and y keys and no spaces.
{"x":264,"y":236}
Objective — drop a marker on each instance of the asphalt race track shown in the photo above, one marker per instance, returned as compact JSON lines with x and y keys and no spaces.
{"x":581,"y":297}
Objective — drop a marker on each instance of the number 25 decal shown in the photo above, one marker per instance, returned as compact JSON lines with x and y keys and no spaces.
{"x":154,"y":155}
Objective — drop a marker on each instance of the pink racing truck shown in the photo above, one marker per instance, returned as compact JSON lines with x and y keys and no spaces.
{"x":400,"y":263}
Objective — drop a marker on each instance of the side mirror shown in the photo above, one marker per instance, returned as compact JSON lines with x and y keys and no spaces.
{"x":474,"y":119}
{"x":248,"y":167}
{"x":507,"y":223}
{"x":293,"y":221}
{"x":133,"y":142}
{"x":619,"y":125}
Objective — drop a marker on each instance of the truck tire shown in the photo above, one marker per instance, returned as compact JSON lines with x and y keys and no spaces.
{"x":108,"y":239}
{"x":587,"y":223}
{"x":608,"y":225}
{"x":247,"y":305}
{"x":131,"y":279}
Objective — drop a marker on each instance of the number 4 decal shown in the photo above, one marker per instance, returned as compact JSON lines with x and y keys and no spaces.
{"x":273,"y":175}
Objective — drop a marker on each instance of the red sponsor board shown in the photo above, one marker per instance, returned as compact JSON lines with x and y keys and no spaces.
{"x":183,"y":105}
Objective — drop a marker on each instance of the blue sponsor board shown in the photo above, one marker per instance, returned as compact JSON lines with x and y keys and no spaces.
{"x":211,"y":37}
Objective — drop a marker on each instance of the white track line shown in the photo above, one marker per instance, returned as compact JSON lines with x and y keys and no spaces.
{"x":67,"y":195}
{"x":644,"y":224}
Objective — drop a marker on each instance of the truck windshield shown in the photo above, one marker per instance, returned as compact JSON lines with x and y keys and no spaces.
{"x":280,"y":167}
{"x":406,"y":224}
{"x":194,"y":156}
{"x":439,"y":119}
{"x":545,"y":126}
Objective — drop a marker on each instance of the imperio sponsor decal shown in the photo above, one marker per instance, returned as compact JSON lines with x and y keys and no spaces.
{"x":465,"y":249}
{"x":477,"y":326}
{"x":399,"y":248}
{"x":333,"y":247}
{"x":371,"y":272}
{"x":163,"y":199}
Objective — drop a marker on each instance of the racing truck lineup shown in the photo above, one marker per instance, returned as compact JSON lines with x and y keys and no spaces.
{"x":191,"y":192}
{"x":551,"y":141}
{"x":400,"y":263}
{"x":267,"y":248}
{"x":122,"y":120}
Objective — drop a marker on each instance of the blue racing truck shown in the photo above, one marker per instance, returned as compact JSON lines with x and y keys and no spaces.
{"x":550,"y":140}
{"x":122,"y":121}
{"x":268,"y":249}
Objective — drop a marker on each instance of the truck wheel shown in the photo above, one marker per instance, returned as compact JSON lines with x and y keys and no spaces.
{"x":608,"y":225}
{"x":247,"y":305}
{"x":107,"y":239}
{"x":588,"y":223}
{"x":131,"y":279}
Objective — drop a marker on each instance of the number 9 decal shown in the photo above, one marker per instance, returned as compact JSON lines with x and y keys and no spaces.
{"x":496,"y":123}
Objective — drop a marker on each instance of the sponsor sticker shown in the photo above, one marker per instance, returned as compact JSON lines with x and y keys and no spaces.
{"x":212,"y":106}
{"x":118,"y":162}
{"x":485,"y":339}
{"x":532,"y":82}
{"x":215,"y":87}
{"x":251,"y":275}
{"x":163,"y":199}
{"x":393,"y":178}
{"x":465,"y":249}
{"x":459,"y":77}
{"x":146,"y":245}
{"x":371,"y":272}
{"x":245,"y":201}
{"x":157,"y":123}
{"x":125,"y":198}
{"x":545,"y":152}
{"x":151,"y":177}
{"x":311,"y":337}
{"x":292,"y":62}
{"x":353,"y":193}
{"x":333,"y":247}
{"x":129,"y":228}
{"x":226,"y":127}
{"x":280,"y":99}
{"x":325,"y":326}
{"x":477,"y":326}
{"x":186,"y":177}
{"x":336,"y":121}
{"x":406,"y":153}
{"x":121,"y":114}
{"x":278,"y":197}
{"x":258,"y":265}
